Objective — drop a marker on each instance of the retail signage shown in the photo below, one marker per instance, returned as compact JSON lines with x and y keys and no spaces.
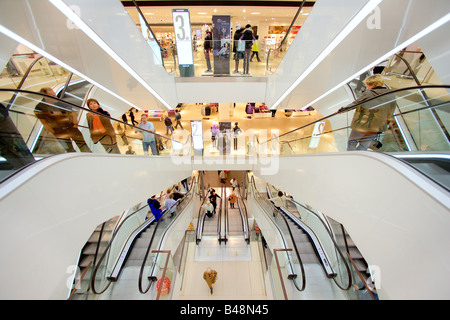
{"x":317,"y":133}
{"x":221,"y":44}
{"x":197,"y":134}
{"x":183,"y":38}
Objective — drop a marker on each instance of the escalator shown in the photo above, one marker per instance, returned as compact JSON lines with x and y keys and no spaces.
{"x":26,"y":138}
{"x":126,"y":265}
{"x":318,"y":257}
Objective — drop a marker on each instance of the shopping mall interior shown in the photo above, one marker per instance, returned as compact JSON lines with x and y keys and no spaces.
{"x":122,"y":120}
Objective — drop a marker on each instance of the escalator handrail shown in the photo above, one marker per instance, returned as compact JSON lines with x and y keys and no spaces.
{"x":366,"y":101}
{"x":94,"y":273}
{"x":72,"y":105}
{"x":286,"y":35}
{"x":336,"y":247}
{"x":141,"y":271}
{"x":219,"y":218}
{"x":200,"y":220}
{"x":303,"y":286}
{"x":116,"y":231}
{"x":244,"y":216}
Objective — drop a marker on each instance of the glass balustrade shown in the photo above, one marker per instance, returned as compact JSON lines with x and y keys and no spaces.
{"x":409,"y":119}
{"x":36,"y":125}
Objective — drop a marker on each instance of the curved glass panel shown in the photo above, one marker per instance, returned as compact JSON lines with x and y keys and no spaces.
{"x":36,"y":125}
{"x":409,"y":119}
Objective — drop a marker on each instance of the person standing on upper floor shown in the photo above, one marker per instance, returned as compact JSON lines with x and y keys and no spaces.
{"x":169,"y":126}
{"x":255,"y":50}
{"x":148,"y":137}
{"x":372,"y":117}
{"x":178,"y":119}
{"x":249,"y":38}
{"x":207,"y":46}
{"x":133,"y":121}
{"x":237,"y":54}
{"x":101,"y":128}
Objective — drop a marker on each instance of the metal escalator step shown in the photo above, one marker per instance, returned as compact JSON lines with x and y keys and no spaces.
{"x":305,"y":247}
{"x":137,"y":254}
{"x":309,"y":258}
{"x":85,"y":261}
{"x":355,"y":254}
{"x":360,"y":265}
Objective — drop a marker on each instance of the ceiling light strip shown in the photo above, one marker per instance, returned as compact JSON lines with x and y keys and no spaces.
{"x":360,"y":16}
{"x":405,"y":44}
{"x":70,"y":14}
{"x":35,"y":48}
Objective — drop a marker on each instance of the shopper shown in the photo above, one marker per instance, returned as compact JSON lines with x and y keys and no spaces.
{"x":59,"y":119}
{"x":255,"y":50}
{"x":169,"y":126}
{"x":213,"y":199}
{"x":100,"y":127}
{"x":148,"y":137}
{"x":371,"y":118}
{"x":210,"y":276}
{"x":207,"y":46}
{"x":170,"y":204}
{"x":248,"y":37}
{"x":233,"y":198}
{"x":178,"y":119}
{"x":237,"y":54}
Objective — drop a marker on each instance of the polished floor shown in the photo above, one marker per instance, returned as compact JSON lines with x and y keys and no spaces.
{"x":239,"y":272}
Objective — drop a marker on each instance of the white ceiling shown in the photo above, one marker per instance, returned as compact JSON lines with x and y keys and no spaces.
{"x":157,"y":17}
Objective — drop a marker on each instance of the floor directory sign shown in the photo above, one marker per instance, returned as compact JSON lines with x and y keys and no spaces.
{"x":183,"y":38}
{"x":197,"y":136}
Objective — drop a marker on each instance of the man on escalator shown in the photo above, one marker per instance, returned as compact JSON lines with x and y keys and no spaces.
{"x":371,"y":118}
{"x":59,"y":119}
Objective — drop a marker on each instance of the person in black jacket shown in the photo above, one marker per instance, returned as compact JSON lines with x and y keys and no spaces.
{"x":213,"y":199}
{"x":249,"y":38}
{"x":237,"y":55}
{"x":207,"y":45}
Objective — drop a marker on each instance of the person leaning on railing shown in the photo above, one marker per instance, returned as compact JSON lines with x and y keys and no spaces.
{"x":372,"y":117}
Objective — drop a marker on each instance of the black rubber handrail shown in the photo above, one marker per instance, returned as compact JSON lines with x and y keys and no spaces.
{"x":144,"y":261}
{"x":368,"y":100}
{"x":292,"y":277}
{"x":84,"y":109}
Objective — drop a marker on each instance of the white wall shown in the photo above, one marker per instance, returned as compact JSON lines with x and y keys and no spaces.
{"x":49,"y":211}
{"x":397,"y":218}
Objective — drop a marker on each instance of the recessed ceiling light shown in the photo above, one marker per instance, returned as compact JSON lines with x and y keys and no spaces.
{"x":202,"y":13}
{"x":256,"y":13}
{"x":149,"y":13}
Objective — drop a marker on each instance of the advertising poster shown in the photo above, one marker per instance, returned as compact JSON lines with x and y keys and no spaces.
{"x":221,"y":44}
